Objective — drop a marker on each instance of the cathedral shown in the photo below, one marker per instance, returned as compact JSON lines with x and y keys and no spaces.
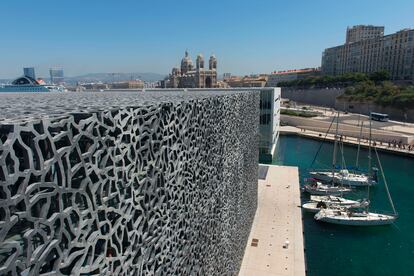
{"x":189,"y":77}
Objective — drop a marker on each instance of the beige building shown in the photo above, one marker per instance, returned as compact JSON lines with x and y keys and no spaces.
{"x":189,"y":76}
{"x":133,"y":84}
{"x":288,"y":75}
{"x":247,"y":81}
{"x":369,"y":51}
{"x":362,"y":32}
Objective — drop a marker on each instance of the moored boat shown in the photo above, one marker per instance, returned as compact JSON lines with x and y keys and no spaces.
{"x":318,"y":188}
{"x":333,"y":199}
{"x":316,"y":206}
{"x":358,"y":217}
{"x":344,"y":177}
{"x":340,"y":175}
{"x":348,"y":217}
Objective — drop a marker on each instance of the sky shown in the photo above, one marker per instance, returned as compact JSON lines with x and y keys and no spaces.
{"x":96,"y":36}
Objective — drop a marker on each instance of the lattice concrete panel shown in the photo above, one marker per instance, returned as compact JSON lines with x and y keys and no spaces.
{"x":127,"y":183}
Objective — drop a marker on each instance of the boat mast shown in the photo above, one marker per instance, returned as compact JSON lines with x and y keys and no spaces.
{"x":369,"y":149}
{"x":385,"y":183}
{"x":334,"y":151}
{"x":359,"y":145}
{"x":321,"y":144}
{"x":369,"y":158}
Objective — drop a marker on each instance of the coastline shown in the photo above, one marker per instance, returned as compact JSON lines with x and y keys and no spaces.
{"x":290,"y":130}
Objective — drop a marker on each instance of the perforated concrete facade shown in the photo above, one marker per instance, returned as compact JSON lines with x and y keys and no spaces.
{"x":149,"y":183}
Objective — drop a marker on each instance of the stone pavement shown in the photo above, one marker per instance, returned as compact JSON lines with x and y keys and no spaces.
{"x":278,"y":221}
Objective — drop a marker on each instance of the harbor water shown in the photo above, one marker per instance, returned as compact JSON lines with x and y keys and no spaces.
{"x":349,"y":250}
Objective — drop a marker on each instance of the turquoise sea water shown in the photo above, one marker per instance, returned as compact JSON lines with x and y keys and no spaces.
{"x":346,"y":250}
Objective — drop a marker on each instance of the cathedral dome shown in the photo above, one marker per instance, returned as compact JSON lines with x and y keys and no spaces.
{"x":186,"y":63}
{"x":186,"y":59}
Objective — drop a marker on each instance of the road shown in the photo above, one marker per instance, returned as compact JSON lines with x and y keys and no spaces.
{"x":357,"y":119}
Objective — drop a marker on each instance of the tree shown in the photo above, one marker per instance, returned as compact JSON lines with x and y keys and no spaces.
{"x":379,"y":76}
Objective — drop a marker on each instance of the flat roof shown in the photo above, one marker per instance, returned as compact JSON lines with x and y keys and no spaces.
{"x":306,"y":70}
{"x":23,"y":106}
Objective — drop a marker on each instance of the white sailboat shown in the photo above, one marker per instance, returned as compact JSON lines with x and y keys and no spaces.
{"x":343,"y":176}
{"x":333,"y":199}
{"x":316,"y":206}
{"x":318,"y":188}
{"x":349,"y":216}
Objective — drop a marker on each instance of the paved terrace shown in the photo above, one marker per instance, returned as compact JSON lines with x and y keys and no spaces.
{"x":278,"y":219}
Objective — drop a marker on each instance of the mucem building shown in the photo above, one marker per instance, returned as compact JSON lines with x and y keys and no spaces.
{"x":142,"y":183}
{"x":269,"y":122}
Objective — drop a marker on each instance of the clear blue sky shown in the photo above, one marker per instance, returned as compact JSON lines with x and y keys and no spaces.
{"x":151,"y":36}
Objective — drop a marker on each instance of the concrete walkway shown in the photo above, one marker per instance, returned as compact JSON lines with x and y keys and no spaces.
{"x":278,"y":219}
{"x":348,"y":140}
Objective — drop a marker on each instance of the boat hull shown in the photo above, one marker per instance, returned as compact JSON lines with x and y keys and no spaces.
{"x":311,"y":207}
{"x":323,"y":192}
{"x":334,"y":200}
{"x":338,"y":179}
{"x":372,"y":219}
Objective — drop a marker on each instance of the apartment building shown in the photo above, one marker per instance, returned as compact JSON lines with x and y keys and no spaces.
{"x":367,"y":51}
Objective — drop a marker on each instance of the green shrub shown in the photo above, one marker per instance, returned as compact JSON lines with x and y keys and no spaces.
{"x":342,"y":80}
{"x":296,"y":113}
{"x":384,"y":93}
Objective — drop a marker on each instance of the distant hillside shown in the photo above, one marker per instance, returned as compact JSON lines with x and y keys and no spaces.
{"x":111,"y":77}
{"x":106,"y":77}
{"x":4,"y":81}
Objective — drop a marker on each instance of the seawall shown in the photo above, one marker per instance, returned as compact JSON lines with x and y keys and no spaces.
{"x":399,"y":114}
{"x":289,"y":130}
{"x":344,"y":129}
{"x":316,"y":96}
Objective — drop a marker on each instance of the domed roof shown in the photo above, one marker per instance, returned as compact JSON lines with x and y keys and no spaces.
{"x":25,"y":80}
{"x":186,"y":59}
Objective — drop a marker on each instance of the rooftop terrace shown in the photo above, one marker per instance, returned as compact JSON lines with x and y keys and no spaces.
{"x":16,"y":107}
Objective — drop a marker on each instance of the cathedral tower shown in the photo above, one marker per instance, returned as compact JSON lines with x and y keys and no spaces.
{"x":200,"y":61}
{"x":212,"y":63}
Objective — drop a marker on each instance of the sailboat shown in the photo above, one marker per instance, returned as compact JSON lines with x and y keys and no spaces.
{"x":333,"y":199}
{"x":316,"y":203}
{"x":319,"y":188}
{"x":348,"y":217}
{"x":357,"y":217}
{"x":343,"y":176}
{"x":316,"y":206}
